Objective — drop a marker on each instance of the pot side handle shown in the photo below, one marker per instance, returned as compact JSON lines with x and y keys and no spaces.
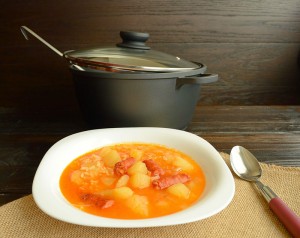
{"x":199,"y":79}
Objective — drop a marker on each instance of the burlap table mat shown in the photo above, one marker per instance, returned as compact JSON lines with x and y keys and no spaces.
{"x":247,"y":215}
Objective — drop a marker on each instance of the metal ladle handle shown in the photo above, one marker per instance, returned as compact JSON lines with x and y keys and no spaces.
{"x":25,"y":29}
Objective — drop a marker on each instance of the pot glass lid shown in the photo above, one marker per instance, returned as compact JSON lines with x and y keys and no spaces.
{"x":130,"y":55}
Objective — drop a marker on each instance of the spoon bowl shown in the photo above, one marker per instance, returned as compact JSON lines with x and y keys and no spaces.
{"x":244,"y":164}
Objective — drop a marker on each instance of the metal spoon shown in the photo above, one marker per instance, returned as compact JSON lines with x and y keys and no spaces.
{"x":25,"y":29}
{"x":246,"y":166}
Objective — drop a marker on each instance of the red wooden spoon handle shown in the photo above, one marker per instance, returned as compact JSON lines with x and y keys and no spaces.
{"x":289,"y":219}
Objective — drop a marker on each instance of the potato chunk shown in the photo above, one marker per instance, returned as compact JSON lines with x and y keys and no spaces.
{"x":140,"y":181}
{"x":138,"y":204}
{"x":122,"y":193}
{"x":138,"y":167}
{"x":110,"y":157}
{"x":122,"y":181}
{"x":179,"y":190}
{"x":183,"y":164}
{"x":116,"y":193}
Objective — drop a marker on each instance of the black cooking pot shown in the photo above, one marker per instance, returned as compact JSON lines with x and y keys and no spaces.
{"x":123,"y":100}
{"x":131,"y":85}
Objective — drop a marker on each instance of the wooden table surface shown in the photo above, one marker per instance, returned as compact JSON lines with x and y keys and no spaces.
{"x":272,"y":133}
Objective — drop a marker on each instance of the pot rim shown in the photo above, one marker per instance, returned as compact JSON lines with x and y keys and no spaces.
{"x":137,"y":76}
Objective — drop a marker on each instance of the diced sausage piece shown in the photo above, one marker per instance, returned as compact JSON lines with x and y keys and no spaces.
{"x":97,"y":200}
{"x":153,"y":167}
{"x":121,"y":167}
{"x":166,"y":182}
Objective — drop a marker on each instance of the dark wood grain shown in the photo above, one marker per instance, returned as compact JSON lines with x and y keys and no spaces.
{"x":168,"y":21}
{"x":271,"y":133}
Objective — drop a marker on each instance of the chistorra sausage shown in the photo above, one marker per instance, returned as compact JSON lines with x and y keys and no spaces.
{"x":121,"y":167}
{"x":168,"y":181}
{"x":154,"y":168}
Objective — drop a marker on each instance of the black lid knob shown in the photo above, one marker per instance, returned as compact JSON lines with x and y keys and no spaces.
{"x":134,"y":40}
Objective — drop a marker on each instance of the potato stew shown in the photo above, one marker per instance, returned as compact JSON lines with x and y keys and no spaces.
{"x":132,"y":181}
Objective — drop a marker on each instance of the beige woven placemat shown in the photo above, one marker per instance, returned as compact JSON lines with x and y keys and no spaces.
{"x":247,"y":215}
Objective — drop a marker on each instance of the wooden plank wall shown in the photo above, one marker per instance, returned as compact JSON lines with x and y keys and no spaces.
{"x":253,"y":45}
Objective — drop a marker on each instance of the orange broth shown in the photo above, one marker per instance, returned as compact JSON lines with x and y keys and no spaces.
{"x":83,"y":181}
